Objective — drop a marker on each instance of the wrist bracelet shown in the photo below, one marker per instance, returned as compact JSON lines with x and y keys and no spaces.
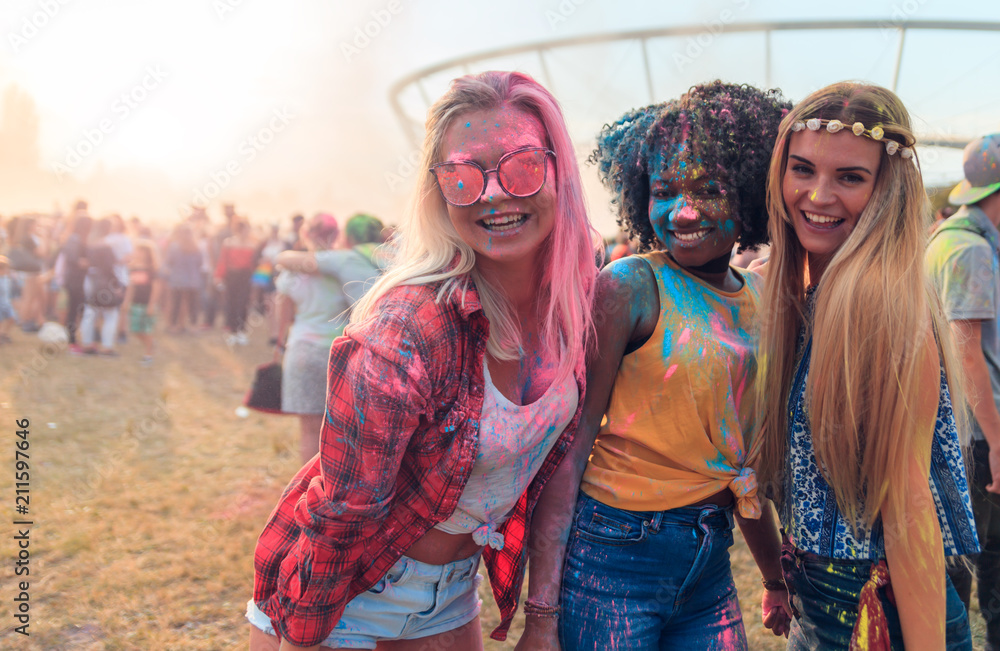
{"x":773,"y":584}
{"x":539,"y":609}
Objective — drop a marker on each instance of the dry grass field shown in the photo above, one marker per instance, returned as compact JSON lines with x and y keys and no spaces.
{"x":147,"y":493}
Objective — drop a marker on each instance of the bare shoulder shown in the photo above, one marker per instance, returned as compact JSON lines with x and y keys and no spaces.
{"x":627,"y":295}
{"x":625,"y":279}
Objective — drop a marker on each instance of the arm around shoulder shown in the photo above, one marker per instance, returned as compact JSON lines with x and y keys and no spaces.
{"x":626,"y":302}
{"x":297,"y":261}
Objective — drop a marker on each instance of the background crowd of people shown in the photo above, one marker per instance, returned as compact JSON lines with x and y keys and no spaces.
{"x":106,"y":278}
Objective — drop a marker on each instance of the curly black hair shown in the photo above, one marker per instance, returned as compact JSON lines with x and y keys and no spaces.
{"x":732,"y":127}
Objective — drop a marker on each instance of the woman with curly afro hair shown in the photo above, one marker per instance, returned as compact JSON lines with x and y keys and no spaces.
{"x":646,"y":555}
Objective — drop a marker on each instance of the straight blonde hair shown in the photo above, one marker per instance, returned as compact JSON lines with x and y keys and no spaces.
{"x":427,"y":249}
{"x":872,"y":305}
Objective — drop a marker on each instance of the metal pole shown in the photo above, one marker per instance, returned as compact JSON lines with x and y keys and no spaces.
{"x":545,"y":69}
{"x":649,"y":73}
{"x":899,"y":59}
{"x":767,"y":59}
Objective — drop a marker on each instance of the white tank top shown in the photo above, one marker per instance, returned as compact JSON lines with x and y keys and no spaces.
{"x":513,"y":443}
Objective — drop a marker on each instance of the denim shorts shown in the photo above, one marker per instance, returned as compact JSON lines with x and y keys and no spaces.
{"x":824,"y":594}
{"x":412,"y":600}
{"x":649,"y":580}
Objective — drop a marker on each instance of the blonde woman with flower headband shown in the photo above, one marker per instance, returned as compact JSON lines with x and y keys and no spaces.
{"x":859,"y":444}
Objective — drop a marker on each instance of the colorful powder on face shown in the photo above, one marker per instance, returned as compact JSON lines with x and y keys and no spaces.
{"x":731,"y":127}
{"x":687,"y":212}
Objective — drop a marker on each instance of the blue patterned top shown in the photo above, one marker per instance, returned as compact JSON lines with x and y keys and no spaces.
{"x":810,"y":515}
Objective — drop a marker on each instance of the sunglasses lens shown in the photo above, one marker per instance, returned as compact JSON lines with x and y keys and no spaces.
{"x":460,"y":183}
{"x":523,"y":174}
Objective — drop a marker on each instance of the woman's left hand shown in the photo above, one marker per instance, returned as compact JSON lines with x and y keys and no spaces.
{"x":759,"y":266}
{"x":776,"y":611}
{"x":540,"y":634}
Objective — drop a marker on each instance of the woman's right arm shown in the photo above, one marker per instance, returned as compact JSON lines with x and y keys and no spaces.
{"x":284,"y":303}
{"x":917,"y":568}
{"x":285,"y":307}
{"x":626,"y":308}
{"x":380,"y":392}
{"x":297,"y":261}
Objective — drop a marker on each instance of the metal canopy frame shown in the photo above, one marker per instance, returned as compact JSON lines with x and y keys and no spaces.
{"x":414,"y":128}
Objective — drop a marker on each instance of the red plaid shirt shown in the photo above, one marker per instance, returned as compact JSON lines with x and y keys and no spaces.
{"x":399,"y":440}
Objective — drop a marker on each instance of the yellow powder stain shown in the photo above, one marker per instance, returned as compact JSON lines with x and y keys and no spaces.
{"x":863,"y":623}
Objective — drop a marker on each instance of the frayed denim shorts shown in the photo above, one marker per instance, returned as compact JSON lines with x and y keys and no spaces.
{"x":412,"y":600}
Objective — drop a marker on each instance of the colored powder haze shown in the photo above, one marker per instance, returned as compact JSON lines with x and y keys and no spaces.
{"x":144,"y":107}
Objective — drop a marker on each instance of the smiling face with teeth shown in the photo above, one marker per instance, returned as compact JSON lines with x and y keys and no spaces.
{"x":501,"y":229}
{"x":827,"y":182}
{"x":690,"y":211}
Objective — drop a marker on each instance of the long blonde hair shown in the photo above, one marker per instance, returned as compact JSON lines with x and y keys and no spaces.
{"x":427,"y":244}
{"x":873,"y":303}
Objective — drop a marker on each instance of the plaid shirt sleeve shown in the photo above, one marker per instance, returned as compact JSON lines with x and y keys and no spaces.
{"x":312,"y":548}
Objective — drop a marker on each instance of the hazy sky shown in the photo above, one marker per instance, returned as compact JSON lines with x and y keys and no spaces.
{"x":142,"y":106}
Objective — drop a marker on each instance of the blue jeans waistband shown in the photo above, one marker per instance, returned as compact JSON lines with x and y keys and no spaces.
{"x":710,"y":516}
{"x":416,"y":571}
{"x":853,"y":564}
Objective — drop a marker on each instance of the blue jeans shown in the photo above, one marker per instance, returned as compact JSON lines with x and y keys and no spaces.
{"x":825,"y":595}
{"x":649,"y":580}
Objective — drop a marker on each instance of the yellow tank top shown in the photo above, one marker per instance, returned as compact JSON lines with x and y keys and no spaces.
{"x":682,"y":405}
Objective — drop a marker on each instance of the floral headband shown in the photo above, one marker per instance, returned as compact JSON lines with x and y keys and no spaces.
{"x":875,"y":133}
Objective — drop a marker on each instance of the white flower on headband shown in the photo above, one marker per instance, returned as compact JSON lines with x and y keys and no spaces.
{"x":798,"y":125}
{"x":877,"y":133}
{"x":858,"y":129}
{"x":814,"y":124}
{"x":833,"y":126}
{"x":891,"y":146}
{"x":906,"y":153}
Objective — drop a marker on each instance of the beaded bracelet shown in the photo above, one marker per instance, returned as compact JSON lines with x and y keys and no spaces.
{"x":539,"y":609}
{"x":774,"y":584}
